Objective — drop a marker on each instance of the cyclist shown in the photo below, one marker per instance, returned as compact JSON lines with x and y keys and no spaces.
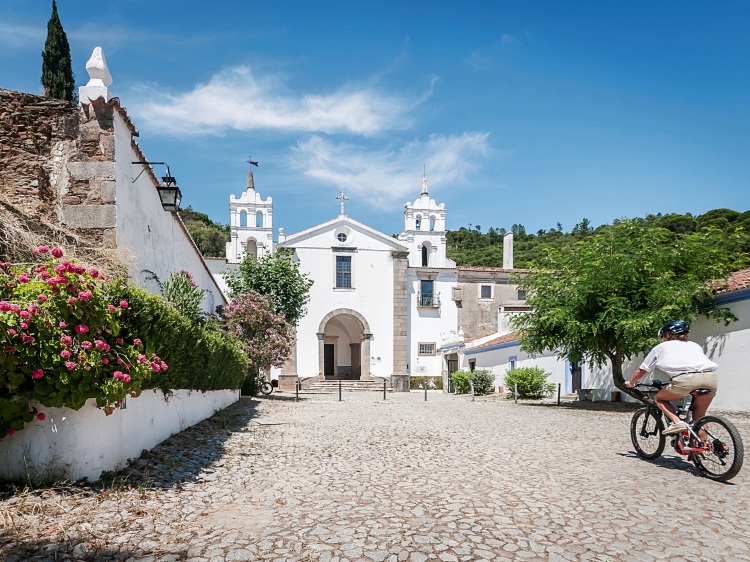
{"x":688,"y":368}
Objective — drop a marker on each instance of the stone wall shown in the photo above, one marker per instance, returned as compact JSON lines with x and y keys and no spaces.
{"x":400,"y":378}
{"x":476,"y":316}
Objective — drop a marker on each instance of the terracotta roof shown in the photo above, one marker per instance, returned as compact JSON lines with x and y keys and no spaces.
{"x":513,"y":336}
{"x":736,"y":282}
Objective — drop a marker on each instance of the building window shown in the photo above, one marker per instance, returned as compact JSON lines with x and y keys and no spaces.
{"x":425,"y":254}
{"x":432,"y":223}
{"x":521,"y":295}
{"x":426,"y":349}
{"x":258,"y":220}
{"x":486,"y":291}
{"x":472,"y":365}
{"x":419,"y":223}
{"x":427,"y":297}
{"x":341,"y":237}
{"x":512,"y":363}
{"x":343,"y":272}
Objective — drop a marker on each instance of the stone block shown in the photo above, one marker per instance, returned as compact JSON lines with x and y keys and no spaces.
{"x":287,"y":381}
{"x":109,"y":191}
{"x":109,"y":238}
{"x":91,"y":170}
{"x":90,"y":216}
{"x":400,"y":382}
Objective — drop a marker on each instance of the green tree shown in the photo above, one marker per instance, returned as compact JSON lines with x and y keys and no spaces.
{"x":604,"y":298}
{"x":57,"y":69}
{"x":277,"y":276}
{"x":210,"y":237}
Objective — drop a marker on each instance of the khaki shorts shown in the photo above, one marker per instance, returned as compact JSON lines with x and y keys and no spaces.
{"x":682,"y":385}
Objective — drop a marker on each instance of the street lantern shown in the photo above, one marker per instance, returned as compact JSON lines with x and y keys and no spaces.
{"x":169,"y":193}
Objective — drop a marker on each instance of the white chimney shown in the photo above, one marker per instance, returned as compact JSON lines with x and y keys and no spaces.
{"x":99,"y":78}
{"x":508,"y":251}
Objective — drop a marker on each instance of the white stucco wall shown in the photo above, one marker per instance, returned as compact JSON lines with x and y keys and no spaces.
{"x":77,"y":444}
{"x":148,"y":237}
{"x":429,"y":325}
{"x":371,"y":296}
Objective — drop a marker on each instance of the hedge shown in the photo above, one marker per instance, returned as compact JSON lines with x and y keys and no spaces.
{"x":433,"y":383}
{"x":483,"y":381}
{"x":199,"y":354}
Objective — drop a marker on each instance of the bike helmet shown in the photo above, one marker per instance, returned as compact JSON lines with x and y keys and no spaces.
{"x":675,"y":327}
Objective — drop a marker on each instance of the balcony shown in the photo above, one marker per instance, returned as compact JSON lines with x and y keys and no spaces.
{"x":428,"y":301}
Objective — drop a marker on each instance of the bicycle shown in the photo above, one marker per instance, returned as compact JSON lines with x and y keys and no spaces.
{"x":264,"y":386}
{"x":719,"y":457}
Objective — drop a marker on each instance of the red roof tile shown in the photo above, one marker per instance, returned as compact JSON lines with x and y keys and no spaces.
{"x":513,"y":336}
{"x":737,"y":281}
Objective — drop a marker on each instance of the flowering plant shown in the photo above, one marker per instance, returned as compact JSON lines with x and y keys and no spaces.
{"x":60,"y":343}
{"x":267,"y":336}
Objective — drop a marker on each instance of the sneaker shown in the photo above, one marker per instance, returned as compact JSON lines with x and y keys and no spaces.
{"x":675,"y":428}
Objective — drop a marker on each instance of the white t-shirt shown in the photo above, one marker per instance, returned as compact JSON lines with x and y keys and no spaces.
{"x":676,"y":357}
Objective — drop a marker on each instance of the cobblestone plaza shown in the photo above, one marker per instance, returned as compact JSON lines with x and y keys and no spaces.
{"x":396,"y":480}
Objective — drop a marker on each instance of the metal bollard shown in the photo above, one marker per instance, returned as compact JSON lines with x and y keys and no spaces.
{"x":515,"y":392}
{"x":471,"y":383}
{"x":425,"y":391}
{"x":558,"y":393}
{"x":296,"y":390}
{"x":384,"y":389}
{"x":339,"y":389}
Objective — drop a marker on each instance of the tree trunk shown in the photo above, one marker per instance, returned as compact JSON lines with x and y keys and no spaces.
{"x":619,"y":380}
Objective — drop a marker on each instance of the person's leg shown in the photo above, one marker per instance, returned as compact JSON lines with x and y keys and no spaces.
{"x":701,"y":405}
{"x":663,"y":400}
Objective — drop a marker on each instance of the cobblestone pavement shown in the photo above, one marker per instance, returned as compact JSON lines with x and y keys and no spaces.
{"x":396,"y":480}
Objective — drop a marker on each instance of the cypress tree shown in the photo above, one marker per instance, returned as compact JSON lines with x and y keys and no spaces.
{"x":57,"y":70}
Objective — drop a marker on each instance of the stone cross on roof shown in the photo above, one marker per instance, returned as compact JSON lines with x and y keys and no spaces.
{"x":343,"y":198}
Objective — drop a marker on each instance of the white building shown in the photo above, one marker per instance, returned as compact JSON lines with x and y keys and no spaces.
{"x":251,"y":224}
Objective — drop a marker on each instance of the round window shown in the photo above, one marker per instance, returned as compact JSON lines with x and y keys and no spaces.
{"x":342,"y":237}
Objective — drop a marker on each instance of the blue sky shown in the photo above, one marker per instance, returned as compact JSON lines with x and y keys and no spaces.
{"x":522,"y":112}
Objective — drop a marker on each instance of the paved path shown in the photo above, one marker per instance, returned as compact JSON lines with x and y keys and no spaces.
{"x":395,"y":480}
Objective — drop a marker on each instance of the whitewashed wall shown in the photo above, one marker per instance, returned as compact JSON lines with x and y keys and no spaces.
{"x":148,"y":237}
{"x":82,"y":444}
{"x":426,"y":325}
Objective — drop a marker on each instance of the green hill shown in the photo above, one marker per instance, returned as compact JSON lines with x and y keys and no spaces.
{"x":210,"y":237}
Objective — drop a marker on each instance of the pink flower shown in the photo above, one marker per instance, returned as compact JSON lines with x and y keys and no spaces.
{"x":70,"y":365}
{"x":81,"y":329}
{"x":137,"y":342}
{"x":37,"y":374}
{"x":123,"y":304}
{"x":42,"y":298}
{"x":164,"y":366}
{"x":72,"y":300}
{"x":119,"y":361}
{"x":33,"y":309}
{"x":86,"y":344}
{"x":156,"y":367}
{"x":111,"y":308}
{"x":40,"y":416}
{"x":24,"y":314}
{"x":24,"y":326}
{"x":23,"y":278}
{"x":41,"y":250}
{"x":57,"y":252}
{"x":27,"y":339}
{"x":60,"y":269}
{"x":142,"y":359}
{"x":117,"y":374}
{"x":85,"y":295}
{"x":100,"y":344}
{"x":66,"y":340}
{"x":62,"y":324}
{"x":12,"y":332}
{"x":105,"y":361}
{"x":4,"y":306}
{"x":126,"y":378}
{"x":120,"y":340}
{"x":65,"y":354}
{"x":134,"y":394}
{"x":93,"y":272}
{"x":127,"y":366}
{"x":11,"y":431}
{"x":15,"y":308}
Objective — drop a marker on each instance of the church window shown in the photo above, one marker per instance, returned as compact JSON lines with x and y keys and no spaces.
{"x":432,"y":223}
{"x":426,"y":349}
{"x":343,"y":272}
{"x":341,"y":237}
{"x":419,"y":223}
{"x":259,"y":220}
{"x":425,"y":254}
{"x":486,"y":292}
{"x":521,"y":295}
{"x":243,"y":218}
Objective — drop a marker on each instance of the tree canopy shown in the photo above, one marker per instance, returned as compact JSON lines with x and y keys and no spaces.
{"x":604,"y":298}
{"x":57,"y":69}
{"x":210,"y":237}
{"x":277,"y":276}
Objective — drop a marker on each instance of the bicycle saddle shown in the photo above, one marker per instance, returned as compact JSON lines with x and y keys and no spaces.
{"x":700,"y":392}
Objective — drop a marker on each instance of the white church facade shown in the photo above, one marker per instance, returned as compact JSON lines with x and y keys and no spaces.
{"x":381,"y":308}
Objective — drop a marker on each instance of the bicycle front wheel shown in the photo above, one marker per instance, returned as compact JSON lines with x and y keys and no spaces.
{"x":646,"y":434}
{"x":266,"y":388}
{"x":723,"y":459}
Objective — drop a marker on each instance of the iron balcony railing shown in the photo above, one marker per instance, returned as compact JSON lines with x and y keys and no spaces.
{"x":428,"y":301}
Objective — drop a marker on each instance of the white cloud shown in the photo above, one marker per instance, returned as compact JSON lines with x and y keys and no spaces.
{"x":388,"y":175}
{"x":21,"y":36}
{"x":237,"y":99}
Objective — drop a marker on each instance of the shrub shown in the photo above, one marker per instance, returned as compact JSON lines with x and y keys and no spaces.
{"x":532,"y":382}
{"x":483,"y":381}
{"x":60,"y":332}
{"x":433,"y":383}
{"x":200,"y":355}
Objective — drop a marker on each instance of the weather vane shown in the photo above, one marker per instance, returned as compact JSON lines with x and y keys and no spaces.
{"x":250,"y":161}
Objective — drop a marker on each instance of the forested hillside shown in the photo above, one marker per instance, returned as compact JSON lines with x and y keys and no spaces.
{"x":210,"y":237}
{"x":471,"y":246}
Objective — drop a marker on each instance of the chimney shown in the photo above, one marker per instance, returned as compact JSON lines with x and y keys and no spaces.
{"x":508,"y":251}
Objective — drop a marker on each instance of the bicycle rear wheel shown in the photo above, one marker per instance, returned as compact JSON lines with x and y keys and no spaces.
{"x":266,"y":388}
{"x":646,"y":433}
{"x":724,"y":459}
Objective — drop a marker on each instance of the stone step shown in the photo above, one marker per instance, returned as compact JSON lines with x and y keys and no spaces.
{"x":347,"y":385}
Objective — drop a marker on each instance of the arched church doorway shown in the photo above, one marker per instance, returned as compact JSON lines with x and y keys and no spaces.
{"x":344,"y":346}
